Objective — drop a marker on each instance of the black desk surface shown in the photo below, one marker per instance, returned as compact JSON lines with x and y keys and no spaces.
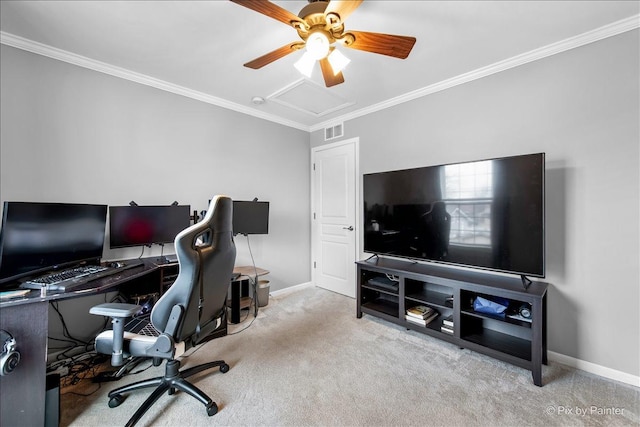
{"x":22,"y":393}
{"x":92,"y":287}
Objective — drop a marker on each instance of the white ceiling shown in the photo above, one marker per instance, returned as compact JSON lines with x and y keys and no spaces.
{"x":197,"y":48}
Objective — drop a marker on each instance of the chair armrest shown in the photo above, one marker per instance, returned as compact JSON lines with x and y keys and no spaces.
{"x":119,"y":310}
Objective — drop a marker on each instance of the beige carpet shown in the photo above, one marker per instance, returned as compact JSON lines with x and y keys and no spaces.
{"x":308,"y":361}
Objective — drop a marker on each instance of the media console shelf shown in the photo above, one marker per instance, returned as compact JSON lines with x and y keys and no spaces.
{"x":388,"y":287}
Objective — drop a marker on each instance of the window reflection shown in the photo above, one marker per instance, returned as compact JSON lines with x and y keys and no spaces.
{"x":468,"y":193}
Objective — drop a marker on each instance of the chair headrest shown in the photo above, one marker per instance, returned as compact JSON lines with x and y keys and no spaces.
{"x":219,"y":216}
{"x":218,"y":219}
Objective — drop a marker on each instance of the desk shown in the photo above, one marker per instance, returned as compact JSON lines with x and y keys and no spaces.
{"x":247,"y":274}
{"x":22,"y":393}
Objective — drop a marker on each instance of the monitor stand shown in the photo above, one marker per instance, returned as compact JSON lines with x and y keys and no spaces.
{"x":162,"y":260}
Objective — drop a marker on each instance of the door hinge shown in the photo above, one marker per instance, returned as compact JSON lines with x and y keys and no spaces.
{"x":314,"y":215}
{"x":314,"y":264}
{"x":314,"y":166}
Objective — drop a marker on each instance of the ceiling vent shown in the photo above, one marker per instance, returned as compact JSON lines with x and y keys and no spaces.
{"x":333,"y":132}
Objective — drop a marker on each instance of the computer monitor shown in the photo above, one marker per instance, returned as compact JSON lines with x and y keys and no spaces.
{"x":146,"y":225}
{"x":250,"y":217}
{"x":37,"y":237}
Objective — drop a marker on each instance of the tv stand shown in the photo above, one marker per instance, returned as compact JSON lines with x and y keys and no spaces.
{"x":451,"y":292}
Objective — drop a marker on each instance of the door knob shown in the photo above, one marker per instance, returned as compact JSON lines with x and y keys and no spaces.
{"x":350,"y":228}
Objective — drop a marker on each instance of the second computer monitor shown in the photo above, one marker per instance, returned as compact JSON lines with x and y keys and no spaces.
{"x":250,"y":217}
{"x":145,"y":225}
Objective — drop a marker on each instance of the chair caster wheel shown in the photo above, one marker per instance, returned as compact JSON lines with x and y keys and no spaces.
{"x":224,"y":368}
{"x":212,"y":409}
{"x":116,"y":400}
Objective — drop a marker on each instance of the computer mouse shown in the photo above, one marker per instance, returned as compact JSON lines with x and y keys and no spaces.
{"x":116,"y":264}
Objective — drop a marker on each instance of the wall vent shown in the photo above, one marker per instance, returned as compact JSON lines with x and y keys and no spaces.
{"x":333,"y":132}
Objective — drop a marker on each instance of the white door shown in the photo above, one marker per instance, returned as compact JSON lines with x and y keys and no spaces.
{"x":334,"y":228}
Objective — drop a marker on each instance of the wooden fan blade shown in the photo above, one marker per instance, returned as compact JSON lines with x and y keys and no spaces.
{"x":342,"y":8}
{"x":274,"y":55}
{"x":271,"y":10}
{"x":383,"y":44}
{"x":330,"y":79}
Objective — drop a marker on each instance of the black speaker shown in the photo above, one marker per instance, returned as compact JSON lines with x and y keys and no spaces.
{"x":10,"y":357}
{"x":525,"y":310}
{"x":52,"y":401}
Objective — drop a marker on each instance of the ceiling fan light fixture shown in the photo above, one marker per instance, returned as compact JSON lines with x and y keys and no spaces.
{"x":318,"y":45}
{"x":321,"y":25}
{"x":338,"y":61}
{"x":305,"y":64}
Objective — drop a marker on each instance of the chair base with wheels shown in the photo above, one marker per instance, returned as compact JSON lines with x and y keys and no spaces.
{"x":172,"y":381}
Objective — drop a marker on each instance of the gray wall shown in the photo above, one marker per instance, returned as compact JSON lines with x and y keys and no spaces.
{"x":69,"y":134}
{"x":117,"y":141}
{"x":580,"y":108}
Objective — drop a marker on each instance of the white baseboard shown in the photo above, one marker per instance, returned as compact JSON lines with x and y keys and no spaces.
{"x":290,"y":289}
{"x":592,"y":368}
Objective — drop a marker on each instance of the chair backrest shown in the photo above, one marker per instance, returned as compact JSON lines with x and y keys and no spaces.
{"x":206,"y":257}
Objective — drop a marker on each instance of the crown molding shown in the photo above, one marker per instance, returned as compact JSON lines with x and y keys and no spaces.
{"x":610,"y":30}
{"x":102,"y":67}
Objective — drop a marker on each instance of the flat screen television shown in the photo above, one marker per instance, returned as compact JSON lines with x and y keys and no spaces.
{"x":250,"y":217}
{"x":486,"y":214}
{"x":146,"y":225}
{"x":37,"y":237}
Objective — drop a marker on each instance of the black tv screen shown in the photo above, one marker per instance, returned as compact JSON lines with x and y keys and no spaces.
{"x":486,"y":214}
{"x":250,"y":217}
{"x":146,"y":225}
{"x":37,"y":237}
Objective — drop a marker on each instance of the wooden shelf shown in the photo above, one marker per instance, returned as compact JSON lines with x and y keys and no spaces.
{"x":379,"y":289}
{"x":431,"y":297}
{"x":504,"y":343}
{"x":245,"y":302}
{"x":383,"y":305}
{"x":504,"y":319}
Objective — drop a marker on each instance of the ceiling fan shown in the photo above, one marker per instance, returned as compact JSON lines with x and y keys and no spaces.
{"x":320,"y":25}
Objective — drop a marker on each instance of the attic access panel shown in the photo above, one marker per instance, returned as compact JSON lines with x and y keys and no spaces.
{"x":309,"y":98}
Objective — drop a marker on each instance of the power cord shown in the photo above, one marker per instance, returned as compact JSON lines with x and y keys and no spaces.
{"x":255,"y":280}
{"x":75,"y":367}
{"x":65,"y":331}
{"x":243,"y":329}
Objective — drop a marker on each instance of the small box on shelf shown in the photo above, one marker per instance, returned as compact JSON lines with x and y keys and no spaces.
{"x":447,"y":325}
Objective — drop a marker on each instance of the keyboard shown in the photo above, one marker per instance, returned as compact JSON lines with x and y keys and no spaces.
{"x":61,"y":276}
{"x":71,"y":278}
